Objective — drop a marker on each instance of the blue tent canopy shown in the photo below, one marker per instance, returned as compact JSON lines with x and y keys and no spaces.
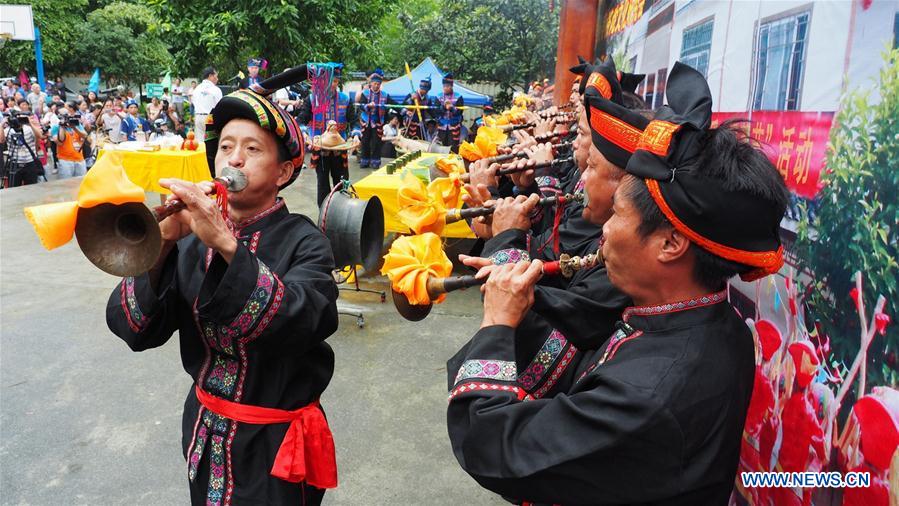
{"x":398,"y":88}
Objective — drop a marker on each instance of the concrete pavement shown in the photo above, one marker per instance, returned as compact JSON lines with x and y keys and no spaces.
{"x":83,"y":420}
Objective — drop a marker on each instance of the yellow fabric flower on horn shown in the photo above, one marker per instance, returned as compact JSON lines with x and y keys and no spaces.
{"x":448,"y":190}
{"x":485,"y":144}
{"x":409,"y":263}
{"x":450,"y":165}
{"x":419,"y":209}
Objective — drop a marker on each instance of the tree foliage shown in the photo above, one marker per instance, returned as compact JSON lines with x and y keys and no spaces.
{"x":510,"y":42}
{"x":59,"y":26}
{"x":857,"y":227}
{"x":225,"y":33}
{"x":125,"y":41}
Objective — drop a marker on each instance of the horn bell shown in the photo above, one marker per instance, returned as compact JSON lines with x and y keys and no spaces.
{"x":122,"y":240}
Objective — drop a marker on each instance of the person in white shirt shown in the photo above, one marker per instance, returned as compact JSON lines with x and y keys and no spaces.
{"x":205,"y":97}
{"x":110,"y":121}
{"x":282,"y":98}
{"x":178,"y":96}
{"x":37,"y":99}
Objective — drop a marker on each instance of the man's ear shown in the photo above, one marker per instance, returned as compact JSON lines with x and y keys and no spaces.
{"x":286,"y":171}
{"x":674,"y":245}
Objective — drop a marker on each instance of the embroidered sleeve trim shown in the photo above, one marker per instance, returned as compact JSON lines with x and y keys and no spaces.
{"x":557,"y":372}
{"x":499,"y":370}
{"x":137,"y":320}
{"x":272,"y":310}
{"x":547,"y":183}
{"x":520,"y":394}
{"x":540,"y":365}
{"x":260,"y":308}
{"x":509,"y":256}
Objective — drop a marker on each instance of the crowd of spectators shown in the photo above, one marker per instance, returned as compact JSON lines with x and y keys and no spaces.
{"x":57,"y":131}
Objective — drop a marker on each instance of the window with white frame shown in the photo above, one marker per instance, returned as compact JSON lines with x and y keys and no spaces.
{"x":780,"y":56}
{"x":696,"y":47}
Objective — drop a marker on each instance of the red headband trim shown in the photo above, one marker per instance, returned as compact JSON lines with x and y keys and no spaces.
{"x":767,"y":262}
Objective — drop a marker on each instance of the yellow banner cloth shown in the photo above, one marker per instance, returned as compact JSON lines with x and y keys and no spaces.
{"x":146,"y":168}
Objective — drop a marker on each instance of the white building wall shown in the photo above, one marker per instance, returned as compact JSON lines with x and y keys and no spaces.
{"x":732,"y":54}
{"x":687,"y":15}
{"x":871,"y":35}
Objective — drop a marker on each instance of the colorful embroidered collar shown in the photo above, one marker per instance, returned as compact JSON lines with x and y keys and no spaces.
{"x":681,"y":310}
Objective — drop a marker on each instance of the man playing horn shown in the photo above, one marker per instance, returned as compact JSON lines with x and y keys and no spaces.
{"x":549,"y":339}
{"x":655,"y":414}
{"x":250,"y":292}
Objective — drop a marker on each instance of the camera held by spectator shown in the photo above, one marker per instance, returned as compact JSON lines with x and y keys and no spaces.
{"x":73,"y":120}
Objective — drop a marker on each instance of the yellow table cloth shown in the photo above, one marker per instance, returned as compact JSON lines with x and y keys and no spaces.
{"x":385,"y":186}
{"x":146,"y":168}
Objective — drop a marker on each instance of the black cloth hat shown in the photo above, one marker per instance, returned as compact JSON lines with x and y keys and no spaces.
{"x":731,"y":223}
{"x":614,"y":128}
{"x":253,"y":104}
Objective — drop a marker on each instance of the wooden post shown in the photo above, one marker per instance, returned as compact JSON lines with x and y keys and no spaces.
{"x":577,"y":37}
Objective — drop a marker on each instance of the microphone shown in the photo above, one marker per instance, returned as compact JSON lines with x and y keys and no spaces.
{"x":119,"y":88}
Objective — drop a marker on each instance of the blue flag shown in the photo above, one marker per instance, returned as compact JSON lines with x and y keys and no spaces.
{"x":94,"y":83}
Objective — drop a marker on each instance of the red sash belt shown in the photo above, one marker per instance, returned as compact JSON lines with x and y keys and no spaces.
{"x":307,"y":451}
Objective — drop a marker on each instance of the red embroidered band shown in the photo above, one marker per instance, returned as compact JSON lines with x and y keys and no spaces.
{"x":656,"y":138}
{"x":599,"y":82}
{"x":616,"y":131}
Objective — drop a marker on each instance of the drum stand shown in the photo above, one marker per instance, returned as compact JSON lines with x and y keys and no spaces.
{"x":344,"y":310}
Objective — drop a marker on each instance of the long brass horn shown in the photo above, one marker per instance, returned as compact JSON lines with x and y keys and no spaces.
{"x":124,"y":240}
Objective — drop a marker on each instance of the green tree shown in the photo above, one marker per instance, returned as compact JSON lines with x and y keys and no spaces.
{"x":510,"y":42}
{"x":393,"y":35}
{"x":59,"y":25}
{"x":125,"y":41}
{"x":857,"y":227}
{"x":224,"y":33}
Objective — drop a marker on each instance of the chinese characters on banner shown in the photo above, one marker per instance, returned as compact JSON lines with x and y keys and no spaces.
{"x":795,"y":142}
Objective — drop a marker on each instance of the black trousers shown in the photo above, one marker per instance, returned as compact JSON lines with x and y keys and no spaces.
{"x":450,"y":136}
{"x":371,"y":147}
{"x":27,"y":173}
{"x":329,"y":163}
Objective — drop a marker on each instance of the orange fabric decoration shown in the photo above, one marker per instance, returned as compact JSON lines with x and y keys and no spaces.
{"x":451,"y":165}
{"x":447,"y":189}
{"x":423,"y":209}
{"x":618,"y":132}
{"x":105,"y":183}
{"x":409,"y":263}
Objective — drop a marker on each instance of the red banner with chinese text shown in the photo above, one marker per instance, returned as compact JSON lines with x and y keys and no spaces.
{"x":795,"y":142}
